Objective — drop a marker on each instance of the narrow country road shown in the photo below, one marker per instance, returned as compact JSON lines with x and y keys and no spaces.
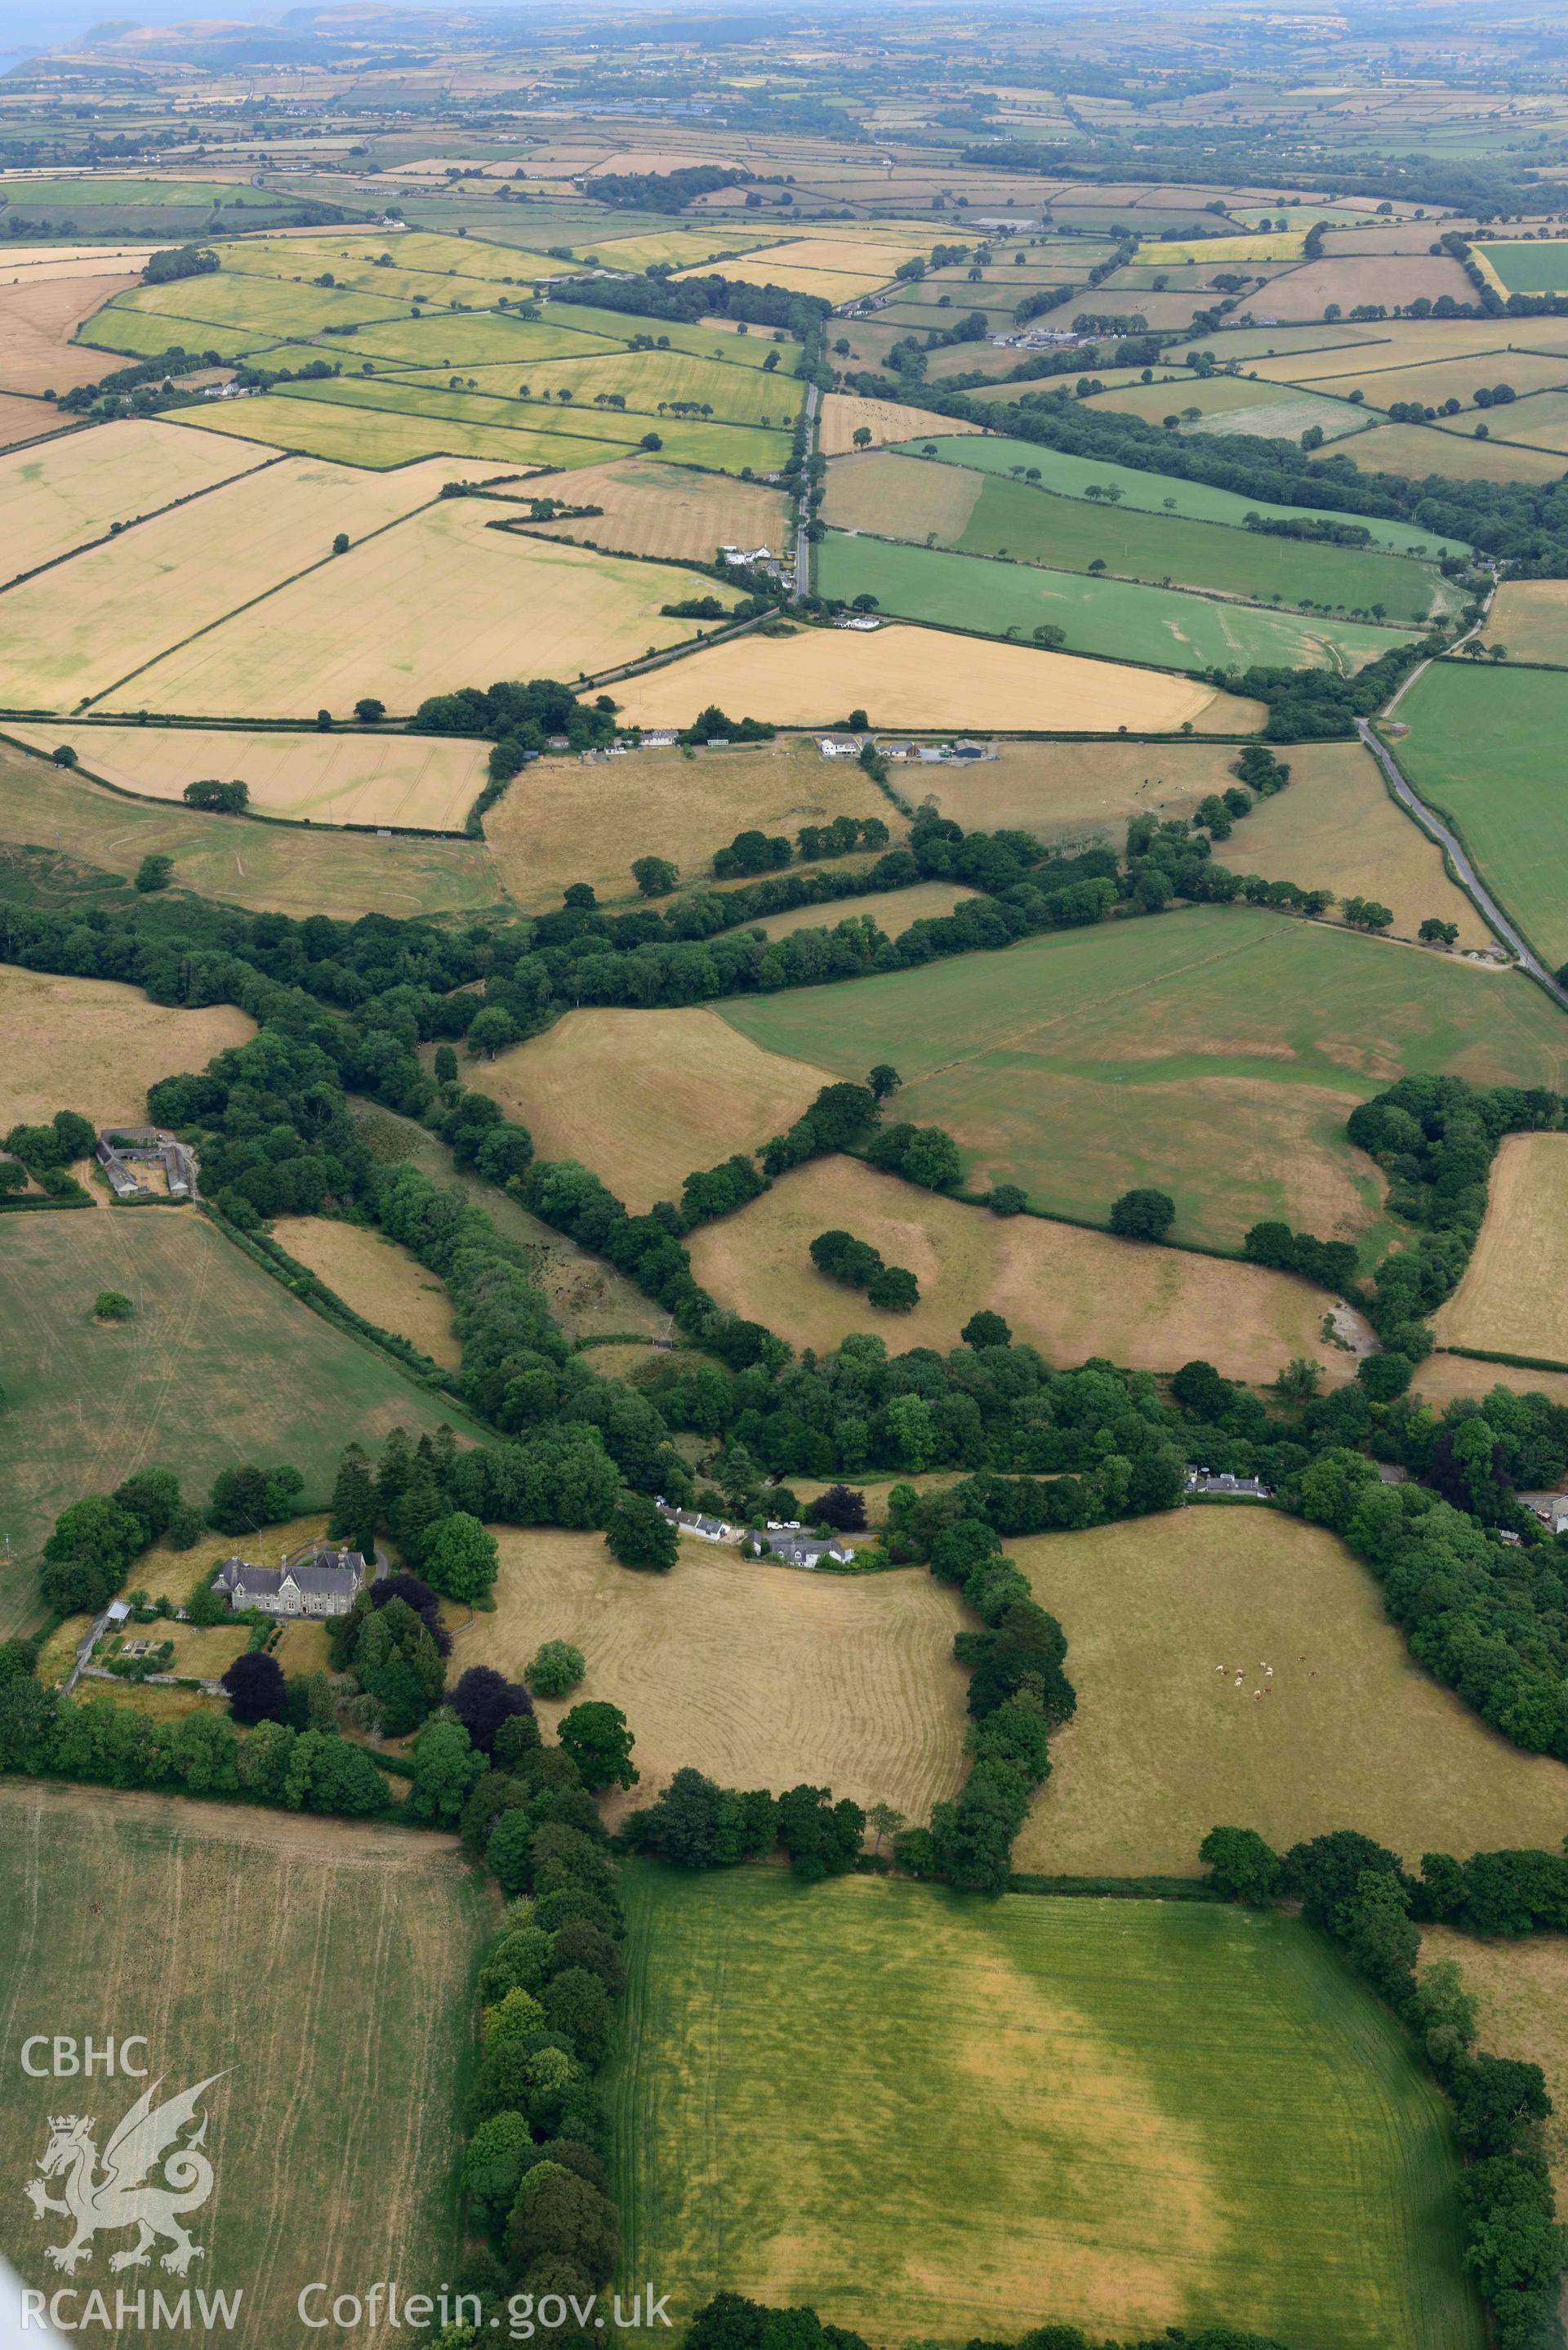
{"x":802,"y":544}
{"x":1436,"y":829}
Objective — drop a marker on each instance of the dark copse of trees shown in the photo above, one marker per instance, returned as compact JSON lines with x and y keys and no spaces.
{"x":701,"y":297}
{"x":729,"y":2322}
{"x":663,"y":191}
{"x":178,"y":261}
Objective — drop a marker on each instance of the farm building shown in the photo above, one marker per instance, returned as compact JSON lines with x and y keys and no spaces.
{"x":318,"y":1582}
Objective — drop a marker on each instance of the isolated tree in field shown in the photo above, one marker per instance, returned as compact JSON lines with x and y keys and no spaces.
{"x":1143,"y":1214}
{"x":483,"y":1700}
{"x":883,"y":1080}
{"x":1049,"y":635}
{"x":639,"y":1536}
{"x":340,"y":544}
{"x":894,"y":1289}
{"x":255,"y":1687}
{"x":861,"y":436}
{"x":490,"y":1030}
{"x":154,"y":872}
{"x":1007,"y":1200}
{"x":112,"y":1305}
{"x":655,"y":876}
{"x":64,"y":757}
{"x":218,"y":798}
{"x":461,"y":1558}
{"x":1435,"y":932}
{"x":595,"y":1736}
{"x":368,"y":708}
{"x":555,"y":1669}
{"x":986,"y":1329}
{"x":840,"y":1507}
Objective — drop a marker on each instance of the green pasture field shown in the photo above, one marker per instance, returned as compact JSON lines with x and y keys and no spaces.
{"x":1213,"y":395}
{"x":319,"y":2166}
{"x":700,"y":336}
{"x":256,"y":305}
{"x":1161,"y":626}
{"x":217,"y":1365}
{"x":381,"y":437}
{"x":267,"y":867}
{"x":1418,"y":450}
{"x":95,"y":192}
{"x":726,"y":447}
{"x":1072,"y":477}
{"x":1215,"y":1052}
{"x":1485,"y":748}
{"x":139,"y":334}
{"x":1539,"y":421}
{"x":454,"y":339}
{"x":1071,"y":534}
{"x":1528,"y":267}
{"x":648,"y":381}
{"x":1128,"y":2114}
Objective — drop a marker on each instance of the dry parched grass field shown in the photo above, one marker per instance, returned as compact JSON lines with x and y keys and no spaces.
{"x":1071,"y":1293}
{"x":376,"y":1278}
{"x":1126,"y":2115}
{"x":38,"y":315}
{"x":429,"y":781}
{"x":1072,"y":792}
{"x":339,"y":2168}
{"x":1521,"y":1989}
{"x":645,"y":1098}
{"x":761,"y":1676}
{"x":1347,"y":1732}
{"x":441,"y":602}
{"x":925,"y":677}
{"x":1531,"y":618}
{"x":1514,"y":1294}
{"x":563,"y":822}
{"x":94,"y":1045}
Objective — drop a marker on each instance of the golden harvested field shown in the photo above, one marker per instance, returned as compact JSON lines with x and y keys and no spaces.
{"x":1515,"y":1295}
{"x":893,"y":911}
{"x":843,"y":414}
{"x":906,"y":676}
{"x":439,"y":603}
{"x":762,"y":1676}
{"x":92,"y":1046}
{"x":273,"y":868}
{"x":1274,"y":246}
{"x":562,"y":822}
{"x":1065,"y":792}
{"x":1071,"y":1293}
{"x":1442,"y":1378}
{"x":652,"y":508}
{"x":321,"y":2167}
{"x":1531,"y":618}
{"x":417,"y":780}
{"x":1521,"y":1989}
{"x":645,"y":1098}
{"x":1418,"y":450}
{"x":75,"y":631}
{"x":26,"y":419}
{"x":1335,"y":827}
{"x":61,"y":497}
{"x":1164,"y":1745}
{"x":38,"y":315}
{"x":378,"y":1279}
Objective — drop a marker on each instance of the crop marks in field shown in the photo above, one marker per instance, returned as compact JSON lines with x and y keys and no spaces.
{"x":1110,"y":616}
{"x":672,"y":511}
{"x":441,"y":602}
{"x":320,"y":2166}
{"x":1127,"y":2114}
{"x":1044,"y":1065}
{"x":92,"y":483}
{"x":847,"y":1683}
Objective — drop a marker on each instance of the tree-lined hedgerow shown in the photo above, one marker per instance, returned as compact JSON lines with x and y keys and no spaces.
{"x":1359,"y":1894}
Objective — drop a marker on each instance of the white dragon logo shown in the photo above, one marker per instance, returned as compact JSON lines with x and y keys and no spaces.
{"x":122,"y":2198}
